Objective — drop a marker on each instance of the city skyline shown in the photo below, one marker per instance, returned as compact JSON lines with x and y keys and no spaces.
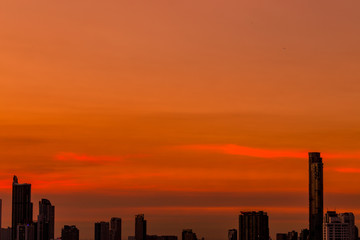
{"x":253,"y":225}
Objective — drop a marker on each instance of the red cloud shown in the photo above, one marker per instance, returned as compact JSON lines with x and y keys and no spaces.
{"x":246,"y":151}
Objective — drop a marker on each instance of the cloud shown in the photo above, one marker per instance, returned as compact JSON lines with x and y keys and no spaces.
{"x":234,"y":149}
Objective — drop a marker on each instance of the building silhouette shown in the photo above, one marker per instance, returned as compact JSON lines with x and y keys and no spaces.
{"x":293,"y":235}
{"x":232,"y":234}
{"x":26,"y":232}
{"x":281,"y":236}
{"x":304,"y":234}
{"x":45,"y":224}
{"x":253,"y":226}
{"x":70,"y":233}
{"x":102,"y":231}
{"x":339,"y":226}
{"x":188,"y":234}
{"x":316,"y":196}
{"x":115,"y":228}
{"x":140,"y":227}
{"x":156,"y":237}
{"x":22,"y":207}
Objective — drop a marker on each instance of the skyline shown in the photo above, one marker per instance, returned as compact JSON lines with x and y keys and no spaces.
{"x":21,"y":204}
{"x":186,"y":111}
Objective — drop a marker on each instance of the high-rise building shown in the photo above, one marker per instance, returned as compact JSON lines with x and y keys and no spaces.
{"x":70,"y":233}
{"x":102,"y":231}
{"x":253,"y":226}
{"x":315,"y":196}
{"x":188,"y":234}
{"x":45,"y":224}
{"x":0,"y":215}
{"x":115,"y":228}
{"x":339,"y":226}
{"x":22,"y":207}
{"x":232,"y":234}
{"x":140,"y":227}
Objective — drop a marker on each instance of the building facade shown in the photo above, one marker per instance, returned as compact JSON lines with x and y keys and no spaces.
{"x":115,"y":228}
{"x":188,"y":234}
{"x":22,"y":207}
{"x":140,"y":227}
{"x":316,"y":196}
{"x":46,"y":220}
{"x":232,"y":234}
{"x":253,"y":226}
{"x":102,"y":231}
{"x":339,"y":226}
{"x":70,"y":233}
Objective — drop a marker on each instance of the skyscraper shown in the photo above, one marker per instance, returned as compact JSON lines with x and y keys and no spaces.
{"x":315,"y":196}
{"x":188,"y":234}
{"x":22,"y":207}
{"x":232,"y":234}
{"x":102,"y":231}
{"x":70,"y":233}
{"x":45,"y":224}
{"x":253,"y":226}
{"x":115,"y":228}
{"x":140,"y":227}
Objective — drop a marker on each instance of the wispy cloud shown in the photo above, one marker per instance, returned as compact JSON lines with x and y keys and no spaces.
{"x":234,"y":149}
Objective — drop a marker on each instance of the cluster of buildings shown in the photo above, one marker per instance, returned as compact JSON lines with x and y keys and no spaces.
{"x":253,"y":225}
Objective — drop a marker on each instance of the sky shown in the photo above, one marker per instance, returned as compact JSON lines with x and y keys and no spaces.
{"x":186,"y":111}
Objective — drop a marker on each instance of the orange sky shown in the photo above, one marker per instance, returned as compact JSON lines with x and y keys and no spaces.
{"x":187,"y":111}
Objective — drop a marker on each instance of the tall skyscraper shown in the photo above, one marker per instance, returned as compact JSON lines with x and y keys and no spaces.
{"x":188,"y":234}
{"x":102,"y":231}
{"x":316,"y":196}
{"x":45,"y":224}
{"x":232,"y":234}
{"x":115,"y":228}
{"x":0,"y":215}
{"x":253,"y":226}
{"x":140,"y":227}
{"x":22,"y":207}
{"x":339,"y":226}
{"x":70,"y":233}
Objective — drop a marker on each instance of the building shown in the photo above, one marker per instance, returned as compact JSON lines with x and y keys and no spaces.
{"x":140,"y":227}
{"x":102,"y":231}
{"x":315,"y":196}
{"x":115,"y":228}
{"x":253,"y":226}
{"x":69,"y":233}
{"x":188,"y":234}
{"x":293,"y":235}
{"x":281,"y":236}
{"x":339,"y":226}
{"x":25,"y":232}
{"x":6,"y":233}
{"x":232,"y":234}
{"x":46,"y":220}
{"x":22,"y":207}
{"x":304,"y":234}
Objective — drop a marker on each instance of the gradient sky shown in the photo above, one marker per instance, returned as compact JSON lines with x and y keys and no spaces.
{"x":187,"y":111}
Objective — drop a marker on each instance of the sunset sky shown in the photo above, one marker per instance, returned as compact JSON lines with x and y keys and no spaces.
{"x":188,"y":111}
